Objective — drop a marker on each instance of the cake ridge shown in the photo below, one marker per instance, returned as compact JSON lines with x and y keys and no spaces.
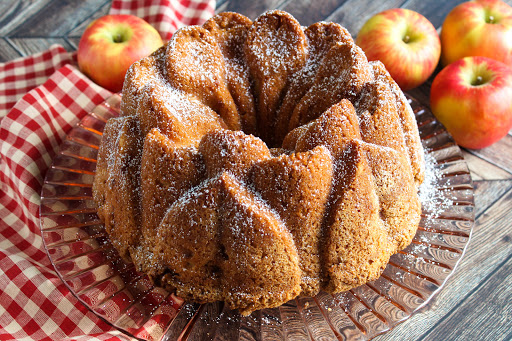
{"x":195,"y":65}
{"x":275,"y":48}
{"x":321,"y":37}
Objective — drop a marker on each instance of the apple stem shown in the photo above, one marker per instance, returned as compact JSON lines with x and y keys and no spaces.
{"x":478,"y":81}
{"x":118,"y":38}
{"x":406,"y":39}
{"x":490,"y":19}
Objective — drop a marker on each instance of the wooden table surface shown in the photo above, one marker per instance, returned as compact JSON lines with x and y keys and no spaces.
{"x":476,"y":302}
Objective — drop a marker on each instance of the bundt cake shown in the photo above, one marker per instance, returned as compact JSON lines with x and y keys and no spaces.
{"x":253,"y":162}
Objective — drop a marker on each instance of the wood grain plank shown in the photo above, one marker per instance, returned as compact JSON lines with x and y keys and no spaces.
{"x":14,"y":13}
{"x":220,"y":3}
{"x":73,"y":41}
{"x":8,"y":51}
{"x":79,"y":29}
{"x":9,"y":9}
{"x":485,"y":314}
{"x":498,"y":154}
{"x":354,"y":13}
{"x":488,"y":192}
{"x":221,"y":7}
{"x":434,"y":11}
{"x":484,"y":170}
{"x":54,"y":18}
{"x":33,"y":45}
{"x":489,"y":247}
{"x":309,"y":12}
{"x":253,"y":9}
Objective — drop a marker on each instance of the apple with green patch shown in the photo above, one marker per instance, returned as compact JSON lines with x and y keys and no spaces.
{"x":110,"y":44}
{"x":405,"y":41}
{"x":478,"y":28}
{"x":472,"y":98}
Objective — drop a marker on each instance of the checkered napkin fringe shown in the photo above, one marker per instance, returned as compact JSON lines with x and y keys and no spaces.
{"x":41,"y":98}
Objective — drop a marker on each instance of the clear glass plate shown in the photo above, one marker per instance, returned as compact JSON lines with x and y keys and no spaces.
{"x":82,"y":255}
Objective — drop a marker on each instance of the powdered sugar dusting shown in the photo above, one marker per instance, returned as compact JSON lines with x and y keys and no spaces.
{"x":272,"y":46}
{"x":432,"y":203}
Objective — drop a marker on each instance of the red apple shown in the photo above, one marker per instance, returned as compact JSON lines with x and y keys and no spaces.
{"x":472,"y":97}
{"x":478,"y":28}
{"x":111,"y":44}
{"x":405,"y":41}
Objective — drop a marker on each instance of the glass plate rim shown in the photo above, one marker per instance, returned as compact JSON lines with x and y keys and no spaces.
{"x":107,"y":105}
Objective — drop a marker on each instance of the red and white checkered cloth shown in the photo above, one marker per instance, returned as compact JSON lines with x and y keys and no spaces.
{"x":167,"y":15}
{"x":41,"y":98}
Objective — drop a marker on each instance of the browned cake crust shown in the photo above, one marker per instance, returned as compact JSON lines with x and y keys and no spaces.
{"x":117,"y":183}
{"x":297,"y":188}
{"x":230,"y":31}
{"x":167,"y":172}
{"x":356,"y":248}
{"x":257,"y":161}
{"x":407,"y":120}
